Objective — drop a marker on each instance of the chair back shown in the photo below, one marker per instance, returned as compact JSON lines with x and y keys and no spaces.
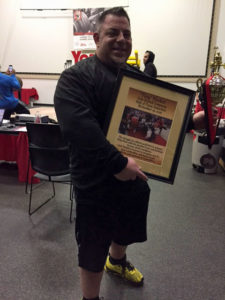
{"x":48,"y":150}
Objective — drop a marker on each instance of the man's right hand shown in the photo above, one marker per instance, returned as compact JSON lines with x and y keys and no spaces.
{"x":131,"y":172}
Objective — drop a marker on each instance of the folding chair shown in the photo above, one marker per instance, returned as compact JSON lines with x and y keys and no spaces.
{"x":49,"y":157}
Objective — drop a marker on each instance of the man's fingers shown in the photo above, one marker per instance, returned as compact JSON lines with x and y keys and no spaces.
{"x":141,"y":175}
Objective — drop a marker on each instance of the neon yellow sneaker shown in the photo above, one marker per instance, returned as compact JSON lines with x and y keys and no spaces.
{"x":127,"y":272}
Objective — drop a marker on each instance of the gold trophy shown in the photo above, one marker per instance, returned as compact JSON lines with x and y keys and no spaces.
{"x":211,"y":94}
{"x":217,"y":83}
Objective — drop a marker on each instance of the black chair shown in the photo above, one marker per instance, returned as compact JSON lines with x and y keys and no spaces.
{"x":49,"y":157}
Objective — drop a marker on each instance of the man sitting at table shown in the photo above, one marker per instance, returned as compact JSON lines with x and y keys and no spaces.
{"x":8,"y":83}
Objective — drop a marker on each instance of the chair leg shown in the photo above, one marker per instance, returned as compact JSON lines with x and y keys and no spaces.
{"x":27,"y":179}
{"x":71,"y":201}
{"x":53,"y":188}
{"x":30,"y":198}
{"x":31,"y":212}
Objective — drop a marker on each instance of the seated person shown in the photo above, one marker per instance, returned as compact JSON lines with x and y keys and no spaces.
{"x":8,"y":83}
{"x":148,"y":60}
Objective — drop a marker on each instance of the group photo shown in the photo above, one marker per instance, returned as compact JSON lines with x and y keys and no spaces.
{"x":145,"y":126}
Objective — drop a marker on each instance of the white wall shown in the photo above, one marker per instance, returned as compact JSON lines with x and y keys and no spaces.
{"x":220,"y":42}
{"x":41,"y":41}
{"x":46,"y":87}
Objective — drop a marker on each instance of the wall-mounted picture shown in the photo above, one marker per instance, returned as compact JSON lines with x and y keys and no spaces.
{"x":147,"y":120}
{"x":84,"y":26}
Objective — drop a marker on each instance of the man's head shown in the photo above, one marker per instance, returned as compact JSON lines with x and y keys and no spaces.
{"x":113,"y":37}
{"x":149,"y":56}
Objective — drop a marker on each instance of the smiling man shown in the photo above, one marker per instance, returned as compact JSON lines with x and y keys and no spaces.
{"x":113,"y":40}
{"x":112,"y":193}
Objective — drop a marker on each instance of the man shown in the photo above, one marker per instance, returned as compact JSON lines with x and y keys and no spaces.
{"x":112,"y":193}
{"x":148,"y":60}
{"x":9,"y":83}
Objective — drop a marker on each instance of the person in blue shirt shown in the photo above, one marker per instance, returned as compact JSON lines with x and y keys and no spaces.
{"x":9,"y":83}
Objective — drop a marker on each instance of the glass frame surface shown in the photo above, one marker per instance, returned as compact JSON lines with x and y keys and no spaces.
{"x":147,"y":120}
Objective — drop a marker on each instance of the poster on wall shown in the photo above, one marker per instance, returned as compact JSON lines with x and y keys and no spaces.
{"x":84,"y":25}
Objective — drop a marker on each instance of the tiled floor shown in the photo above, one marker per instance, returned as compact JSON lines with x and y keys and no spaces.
{"x":183,"y":259}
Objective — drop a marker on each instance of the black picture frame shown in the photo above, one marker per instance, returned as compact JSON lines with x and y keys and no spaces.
{"x":138,"y":103}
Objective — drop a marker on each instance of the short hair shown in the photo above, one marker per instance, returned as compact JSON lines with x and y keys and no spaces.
{"x":151,"y":56}
{"x":115,"y":11}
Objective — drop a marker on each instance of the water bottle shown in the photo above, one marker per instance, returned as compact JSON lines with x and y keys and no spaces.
{"x":37,"y":117}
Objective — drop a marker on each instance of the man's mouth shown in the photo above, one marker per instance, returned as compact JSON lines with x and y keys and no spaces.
{"x":119,"y":50}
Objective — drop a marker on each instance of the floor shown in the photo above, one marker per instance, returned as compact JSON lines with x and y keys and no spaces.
{"x":183,"y":259}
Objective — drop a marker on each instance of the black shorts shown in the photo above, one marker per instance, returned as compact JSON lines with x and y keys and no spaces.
{"x":118,"y":214}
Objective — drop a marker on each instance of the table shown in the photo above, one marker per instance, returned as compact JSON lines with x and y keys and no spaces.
{"x":14,"y":147}
{"x":26,"y":94}
{"x":44,"y":111}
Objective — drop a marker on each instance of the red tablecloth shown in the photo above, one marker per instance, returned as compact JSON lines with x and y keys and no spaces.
{"x":15,"y":148}
{"x":26,"y":94}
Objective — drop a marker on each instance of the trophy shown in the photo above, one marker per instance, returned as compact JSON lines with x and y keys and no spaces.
{"x":211,"y":94}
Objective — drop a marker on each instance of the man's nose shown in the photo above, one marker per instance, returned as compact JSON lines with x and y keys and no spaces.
{"x":120,"y":37}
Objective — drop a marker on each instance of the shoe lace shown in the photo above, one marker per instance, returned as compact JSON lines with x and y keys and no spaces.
{"x":129,"y":266}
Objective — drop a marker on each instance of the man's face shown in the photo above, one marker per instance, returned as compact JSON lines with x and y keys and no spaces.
{"x":146,"y":56}
{"x":114,"y":41}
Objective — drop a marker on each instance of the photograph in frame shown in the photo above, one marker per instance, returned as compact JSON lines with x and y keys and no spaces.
{"x":147,"y":120}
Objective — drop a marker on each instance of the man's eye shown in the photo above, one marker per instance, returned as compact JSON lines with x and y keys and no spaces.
{"x":127,"y":35}
{"x":112,"y":33}
{"x":115,"y":33}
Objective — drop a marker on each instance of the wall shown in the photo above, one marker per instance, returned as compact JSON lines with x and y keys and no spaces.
{"x":40,"y":41}
{"x":46,"y":87}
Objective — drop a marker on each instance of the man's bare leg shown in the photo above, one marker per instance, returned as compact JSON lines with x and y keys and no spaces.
{"x":90,"y":283}
{"x":117,"y":251}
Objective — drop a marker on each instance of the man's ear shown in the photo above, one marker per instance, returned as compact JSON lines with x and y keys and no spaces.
{"x":96,"y":38}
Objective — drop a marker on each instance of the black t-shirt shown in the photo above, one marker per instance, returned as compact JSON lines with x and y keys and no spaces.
{"x":82,"y":97}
